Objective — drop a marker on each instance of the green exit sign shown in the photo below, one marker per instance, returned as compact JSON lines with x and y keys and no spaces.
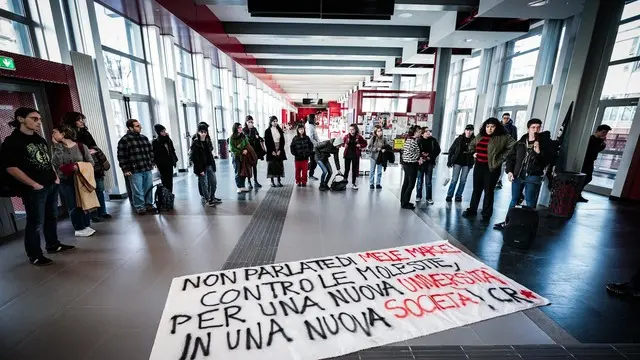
{"x":6,"y":63}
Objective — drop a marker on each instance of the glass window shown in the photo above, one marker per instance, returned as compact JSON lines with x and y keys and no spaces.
{"x":622,"y":81}
{"x":14,"y":6}
{"x":125,"y":75}
{"x":140,"y":111}
{"x":119,"y":33}
{"x":630,"y":10}
{"x":516,"y":93}
{"x":469,"y":79}
{"x":467,"y":99}
{"x":471,"y":63}
{"x":526,"y":44}
{"x":14,"y":37}
{"x":520,"y":67}
{"x":186,"y":89}
{"x":627,"y":44}
{"x":185,"y":63}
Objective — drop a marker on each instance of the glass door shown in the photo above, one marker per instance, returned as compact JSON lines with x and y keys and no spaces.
{"x":618,"y":114}
{"x":188,"y":128}
{"x":518,"y":115}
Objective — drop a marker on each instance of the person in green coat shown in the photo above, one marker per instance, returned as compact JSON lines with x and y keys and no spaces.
{"x":238,"y":143}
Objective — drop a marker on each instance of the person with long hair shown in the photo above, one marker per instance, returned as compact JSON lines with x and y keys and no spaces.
{"x":204,"y":166}
{"x":353,"y":145}
{"x":301,"y":148}
{"x":490,"y":149}
{"x":429,"y":152}
{"x":238,"y":143}
{"x":165,"y":156}
{"x":66,"y":154}
{"x":411,"y":161}
{"x":377,"y":145}
{"x":312,"y":133}
{"x":25,"y":156}
{"x":257,"y":142}
{"x":461,"y":160}
{"x":274,"y":142}
{"x":78,"y":122}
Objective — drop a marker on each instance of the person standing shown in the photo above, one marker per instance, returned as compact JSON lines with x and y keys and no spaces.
{"x":310,"y":129}
{"x":204,"y":166}
{"x":25,"y":157}
{"x":301,"y":148}
{"x":78,"y":122}
{"x":164,"y":155}
{"x":596,"y":145}
{"x":66,"y":154}
{"x":490,"y":148}
{"x":411,"y":161}
{"x":512,"y":131}
{"x":323,"y":151}
{"x":238,"y":143}
{"x":429,"y":152}
{"x":377,"y":145}
{"x":274,"y":142}
{"x":461,"y":160}
{"x":135,"y":156}
{"x":353,"y":145}
{"x":257,"y":143}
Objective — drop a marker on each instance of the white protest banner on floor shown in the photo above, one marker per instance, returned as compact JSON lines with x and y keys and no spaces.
{"x":327,"y":307}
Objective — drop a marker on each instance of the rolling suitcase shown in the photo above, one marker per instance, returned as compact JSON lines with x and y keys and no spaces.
{"x":521,"y":227}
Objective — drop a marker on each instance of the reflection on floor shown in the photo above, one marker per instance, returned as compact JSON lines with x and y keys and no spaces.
{"x":105,"y":300}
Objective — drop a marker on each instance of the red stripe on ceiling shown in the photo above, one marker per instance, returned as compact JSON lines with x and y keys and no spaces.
{"x":204,"y":22}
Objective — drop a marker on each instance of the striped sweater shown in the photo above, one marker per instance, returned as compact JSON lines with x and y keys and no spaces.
{"x":410,"y":151}
{"x":482,"y":150}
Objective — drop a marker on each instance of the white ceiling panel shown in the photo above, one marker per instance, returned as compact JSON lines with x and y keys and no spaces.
{"x":321,"y":40}
{"x":320,"y":67}
{"x":239,"y":13}
{"x":520,"y":9}
{"x":475,"y":39}
{"x":319,"y":57}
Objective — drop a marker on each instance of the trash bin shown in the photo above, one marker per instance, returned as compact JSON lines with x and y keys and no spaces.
{"x":565,"y":192}
{"x":223,"y":149}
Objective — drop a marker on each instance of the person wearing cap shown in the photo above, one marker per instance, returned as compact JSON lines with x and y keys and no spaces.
{"x":323,"y":151}
{"x":461,"y":160}
{"x":165,"y":156}
{"x":204,"y":165}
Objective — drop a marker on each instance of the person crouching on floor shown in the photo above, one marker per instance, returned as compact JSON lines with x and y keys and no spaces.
{"x":323,"y":151}
{"x":204,"y":166}
{"x":301,"y":148}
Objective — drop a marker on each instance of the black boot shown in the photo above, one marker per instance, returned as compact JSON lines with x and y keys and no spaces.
{"x":280,"y":183}
{"x":255,"y":180}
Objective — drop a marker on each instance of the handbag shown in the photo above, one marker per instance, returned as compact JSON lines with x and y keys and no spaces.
{"x":339,"y":185}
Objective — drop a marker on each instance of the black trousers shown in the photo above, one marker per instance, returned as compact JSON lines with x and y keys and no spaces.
{"x":587,"y":169}
{"x":484,"y":180}
{"x":166,"y":177}
{"x":409,"y":182}
{"x":312,"y":165}
{"x":255,"y":173}
{"x":356,"y":169}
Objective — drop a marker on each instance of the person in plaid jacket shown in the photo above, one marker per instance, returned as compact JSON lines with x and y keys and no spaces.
{"x":135,"y":155}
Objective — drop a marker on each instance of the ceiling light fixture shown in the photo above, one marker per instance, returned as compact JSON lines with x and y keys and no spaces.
{"x":405,"y":15}
{"x":468,"y":40}
{"x":536,"y":3}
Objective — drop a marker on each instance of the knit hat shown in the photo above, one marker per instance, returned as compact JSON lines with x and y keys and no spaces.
{"x":469,"y":127}
{"x":159,"y":128}
{"x":203,"y":127}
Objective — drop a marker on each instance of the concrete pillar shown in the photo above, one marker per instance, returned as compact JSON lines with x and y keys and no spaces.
{"x":395,"y":83}
{"x":443,"y":64}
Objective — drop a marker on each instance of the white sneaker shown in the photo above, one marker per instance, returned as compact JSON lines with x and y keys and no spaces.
{"x":430,"y":202}
{"x":239,"y":191}
{"x":355,"y":187}
{"x":86,"y":232}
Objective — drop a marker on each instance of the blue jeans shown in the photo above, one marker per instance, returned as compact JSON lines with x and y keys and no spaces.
{"x":425,"y":176}
{"x":141,"y":182}
{"x":375,"y":167}
{"x":79,"y":218}
{"x":459,"y":172}
{"x":327,"y":172}
{"x":42,"y":211}
{"x":239,"y":179}
{"x":101,"y":199}
{"x":208,"y":183}
{"x":531,"y":186}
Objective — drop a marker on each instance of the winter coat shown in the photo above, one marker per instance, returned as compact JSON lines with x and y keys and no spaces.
{"x":375,"y":145}
{"x":457,"y":148}
{"x":64,"y":159}
{"x":324,"y":150}
{"x":524,"y":161}
{"x":499,"y":147}
{"x":596,"y":145}
{"x":301,"y":147}
{"x":135,"y":153}
{"x":255,"y":141}
{"x":386,"y":157}
{"x":431,"y":147}
{"x":358,"y":139}
{"x":164,"y":153}
{"x":101,"y":163}
{"x":245,"y":168}
{"x":511,"y":129}
{"x":202,"y":156}
{"x":310,"y":129}
{"x":410,"y":151}
{"x":271,"y":146}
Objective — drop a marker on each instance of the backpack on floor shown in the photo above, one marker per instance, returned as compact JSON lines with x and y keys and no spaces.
{"x":163,"y":198}
{"x":339,"y":185}
{"x":521,"y":227}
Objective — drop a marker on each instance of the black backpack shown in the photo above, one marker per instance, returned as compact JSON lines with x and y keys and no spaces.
{"x":163,"y":198}
{"x":339,"y":185}
{"x":521,"y":227}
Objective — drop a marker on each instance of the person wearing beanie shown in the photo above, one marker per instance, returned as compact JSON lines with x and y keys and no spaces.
{"x":204,"y":165}
{"x":461,"y":160}
{"x":165,"y":155}
{"x":323,"y":151}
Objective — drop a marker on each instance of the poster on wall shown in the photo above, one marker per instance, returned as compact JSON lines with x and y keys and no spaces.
{"x":327,"y":307}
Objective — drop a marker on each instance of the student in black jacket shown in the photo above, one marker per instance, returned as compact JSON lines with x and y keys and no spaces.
{"x":301,"y":148}
{"x":274,"y":142}
{"x":461,"y":160}
{"x":323,"y":151}
{"x":204,"y":166}
{"x":429,"y":151}
{"x":165,"y":156}
{"x":257,"y":143}
{"x":596,"y":145}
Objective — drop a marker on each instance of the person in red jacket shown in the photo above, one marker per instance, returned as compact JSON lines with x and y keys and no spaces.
{"x":353,"y":145}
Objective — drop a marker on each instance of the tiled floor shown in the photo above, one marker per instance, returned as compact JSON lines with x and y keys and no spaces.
{"x":105,"y":300}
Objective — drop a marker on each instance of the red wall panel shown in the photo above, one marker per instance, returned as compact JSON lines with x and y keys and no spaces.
{"x":303,"y":112}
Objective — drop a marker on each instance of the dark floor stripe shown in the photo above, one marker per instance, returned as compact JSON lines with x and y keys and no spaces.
{"x":258,"y":244}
